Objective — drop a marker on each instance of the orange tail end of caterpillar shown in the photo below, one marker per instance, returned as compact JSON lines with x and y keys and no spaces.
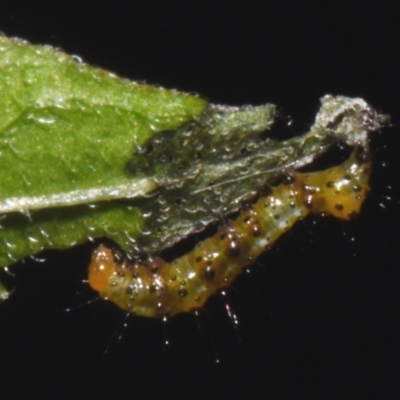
{"x":154,"y":288}
{"x":101,"y":269}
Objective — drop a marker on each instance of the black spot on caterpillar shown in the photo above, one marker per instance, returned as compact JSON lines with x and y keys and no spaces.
{"x":151,"y":287}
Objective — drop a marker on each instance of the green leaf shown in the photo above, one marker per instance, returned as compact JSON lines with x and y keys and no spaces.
{"x":67,"y":133}
{"x":86,"y":154}
{"x":68,"y":127}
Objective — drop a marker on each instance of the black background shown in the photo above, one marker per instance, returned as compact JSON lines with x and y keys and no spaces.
{"x":319,"y":313}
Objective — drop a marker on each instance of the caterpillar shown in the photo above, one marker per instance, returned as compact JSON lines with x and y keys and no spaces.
{"x":149,"y":286}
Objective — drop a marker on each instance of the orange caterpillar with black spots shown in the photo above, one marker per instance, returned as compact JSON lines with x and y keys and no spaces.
{"x":155,"y":288}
